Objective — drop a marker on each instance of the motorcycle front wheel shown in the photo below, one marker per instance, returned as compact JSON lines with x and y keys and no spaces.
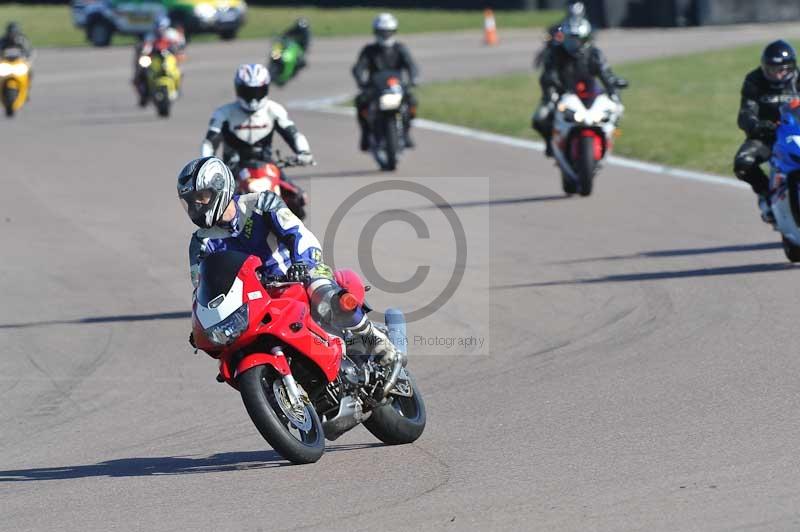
{"x":791,"y":251}
{"x":9,"y":97}
{"x":401,"y":420}
{"x":296,"y":434}
{"x":586,"y":165}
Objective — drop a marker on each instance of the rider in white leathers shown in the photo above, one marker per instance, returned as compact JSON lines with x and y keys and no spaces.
{"x":246,"y":127}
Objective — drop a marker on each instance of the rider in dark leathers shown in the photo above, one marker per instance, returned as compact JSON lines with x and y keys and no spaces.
{"x":14,"y":38}
{"x":574,"y":61}
{"x":555,"y":34}
{"x":764,"y":90}
{"x":384,"y":54}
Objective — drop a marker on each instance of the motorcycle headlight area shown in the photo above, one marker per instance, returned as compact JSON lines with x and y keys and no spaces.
{"x":229,"y":329}
{"x":145,"y":61}
{"x":18,"y":69}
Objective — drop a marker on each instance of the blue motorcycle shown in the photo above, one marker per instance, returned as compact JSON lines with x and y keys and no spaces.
{"x":785,"y":179}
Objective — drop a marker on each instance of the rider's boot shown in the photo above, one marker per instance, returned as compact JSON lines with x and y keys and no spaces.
{"x":766,"y":209}
{"x":407,"y":140}
{"x":375,"y":342}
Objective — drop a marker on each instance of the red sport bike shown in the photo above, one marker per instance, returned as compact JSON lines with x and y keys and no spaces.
{"x":260,"y":176}
{"x":299,"y":382}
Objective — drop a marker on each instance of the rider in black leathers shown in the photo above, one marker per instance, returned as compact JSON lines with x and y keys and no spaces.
{"x":764,"y":90}
{"x":384,"y":54}
{"x":574,"y":61}
{"x":555,"y":33}
{"x":14,"y":38}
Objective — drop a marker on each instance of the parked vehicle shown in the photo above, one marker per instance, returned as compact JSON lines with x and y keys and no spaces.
{"x":101,"y":19}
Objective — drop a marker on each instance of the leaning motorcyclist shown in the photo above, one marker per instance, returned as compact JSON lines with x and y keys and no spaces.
{"x":764,"y":90}
{"x":261,"y":224}
{"x":555,"y":34}
{"x":299,"y":32}
{"x":576,"y":60}
{"x":386,"y":53}
{"x":246,"y":126}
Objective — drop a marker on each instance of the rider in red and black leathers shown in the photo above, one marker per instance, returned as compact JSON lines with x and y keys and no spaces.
{"x":384,"y":54}
{"x":575,"y":60}
{"x":764,"y":90}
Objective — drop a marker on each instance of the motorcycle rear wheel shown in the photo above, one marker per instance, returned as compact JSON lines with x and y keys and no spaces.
{"x":258,"y":388}
{"x":400,"y":421}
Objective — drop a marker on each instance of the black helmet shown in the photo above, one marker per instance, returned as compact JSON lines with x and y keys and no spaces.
{"x":779,"y":62}
{"x":205,"y":188}
{"x":12,"y":29}
{"x":577,"y":34}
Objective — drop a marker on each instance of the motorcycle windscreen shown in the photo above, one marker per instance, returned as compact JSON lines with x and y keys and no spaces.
{"x":217,"y":274}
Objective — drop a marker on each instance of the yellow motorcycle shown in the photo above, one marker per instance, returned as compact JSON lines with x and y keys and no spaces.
{"x":14,"y":80}
{"x":162,"y":80}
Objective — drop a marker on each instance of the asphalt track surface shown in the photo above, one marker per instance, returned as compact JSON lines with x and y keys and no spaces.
{"x":639,"y":371}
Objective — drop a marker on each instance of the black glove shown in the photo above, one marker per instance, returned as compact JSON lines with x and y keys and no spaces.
{"x":191,"y":340}
{"x":297,"y":273}
{"x":765,"y":128}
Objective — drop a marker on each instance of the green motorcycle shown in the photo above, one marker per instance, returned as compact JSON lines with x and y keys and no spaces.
{"x":288,"y":54}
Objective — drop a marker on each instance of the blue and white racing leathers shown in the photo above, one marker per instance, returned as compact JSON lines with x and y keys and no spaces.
{"x":264,"y":226}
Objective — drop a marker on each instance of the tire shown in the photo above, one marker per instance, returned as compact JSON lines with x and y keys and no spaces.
{"x":99,"y":32}
{"x":792,"y":252}
{"x":9,"y":96}
{"x":163,"y":105}
{"x":586,"y":165}
{"x":228,"y":35}
{"x":392,"y":143}
{"x":568,"y":185}
{"x":402,"y":420}
{"x":256,"y":386}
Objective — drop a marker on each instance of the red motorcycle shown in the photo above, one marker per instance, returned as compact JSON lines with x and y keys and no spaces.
{"x":259,"y":176}
{"x":299,"y":382}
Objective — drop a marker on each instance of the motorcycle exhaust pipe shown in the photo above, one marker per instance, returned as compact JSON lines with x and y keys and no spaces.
{"x":396,"y":325}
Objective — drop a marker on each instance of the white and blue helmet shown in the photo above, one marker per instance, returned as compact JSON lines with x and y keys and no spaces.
{"x":252,"y":86}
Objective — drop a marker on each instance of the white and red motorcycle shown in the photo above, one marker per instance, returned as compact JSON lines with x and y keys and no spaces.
{"x":583,"y":133}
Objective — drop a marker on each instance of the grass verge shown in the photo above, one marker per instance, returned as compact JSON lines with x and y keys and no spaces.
{"x":679,"y":111}
{"x":52,"y":25}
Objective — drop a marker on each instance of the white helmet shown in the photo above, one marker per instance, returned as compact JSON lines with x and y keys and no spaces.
{"x":384,"y":26}
{"x":252,"y":86}
{"x":205,"y":188}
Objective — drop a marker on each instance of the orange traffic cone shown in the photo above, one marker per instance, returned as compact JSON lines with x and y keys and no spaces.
{"x":489,"y":28}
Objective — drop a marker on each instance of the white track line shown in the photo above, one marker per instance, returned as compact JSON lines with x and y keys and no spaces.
{"x":330,"y":105}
